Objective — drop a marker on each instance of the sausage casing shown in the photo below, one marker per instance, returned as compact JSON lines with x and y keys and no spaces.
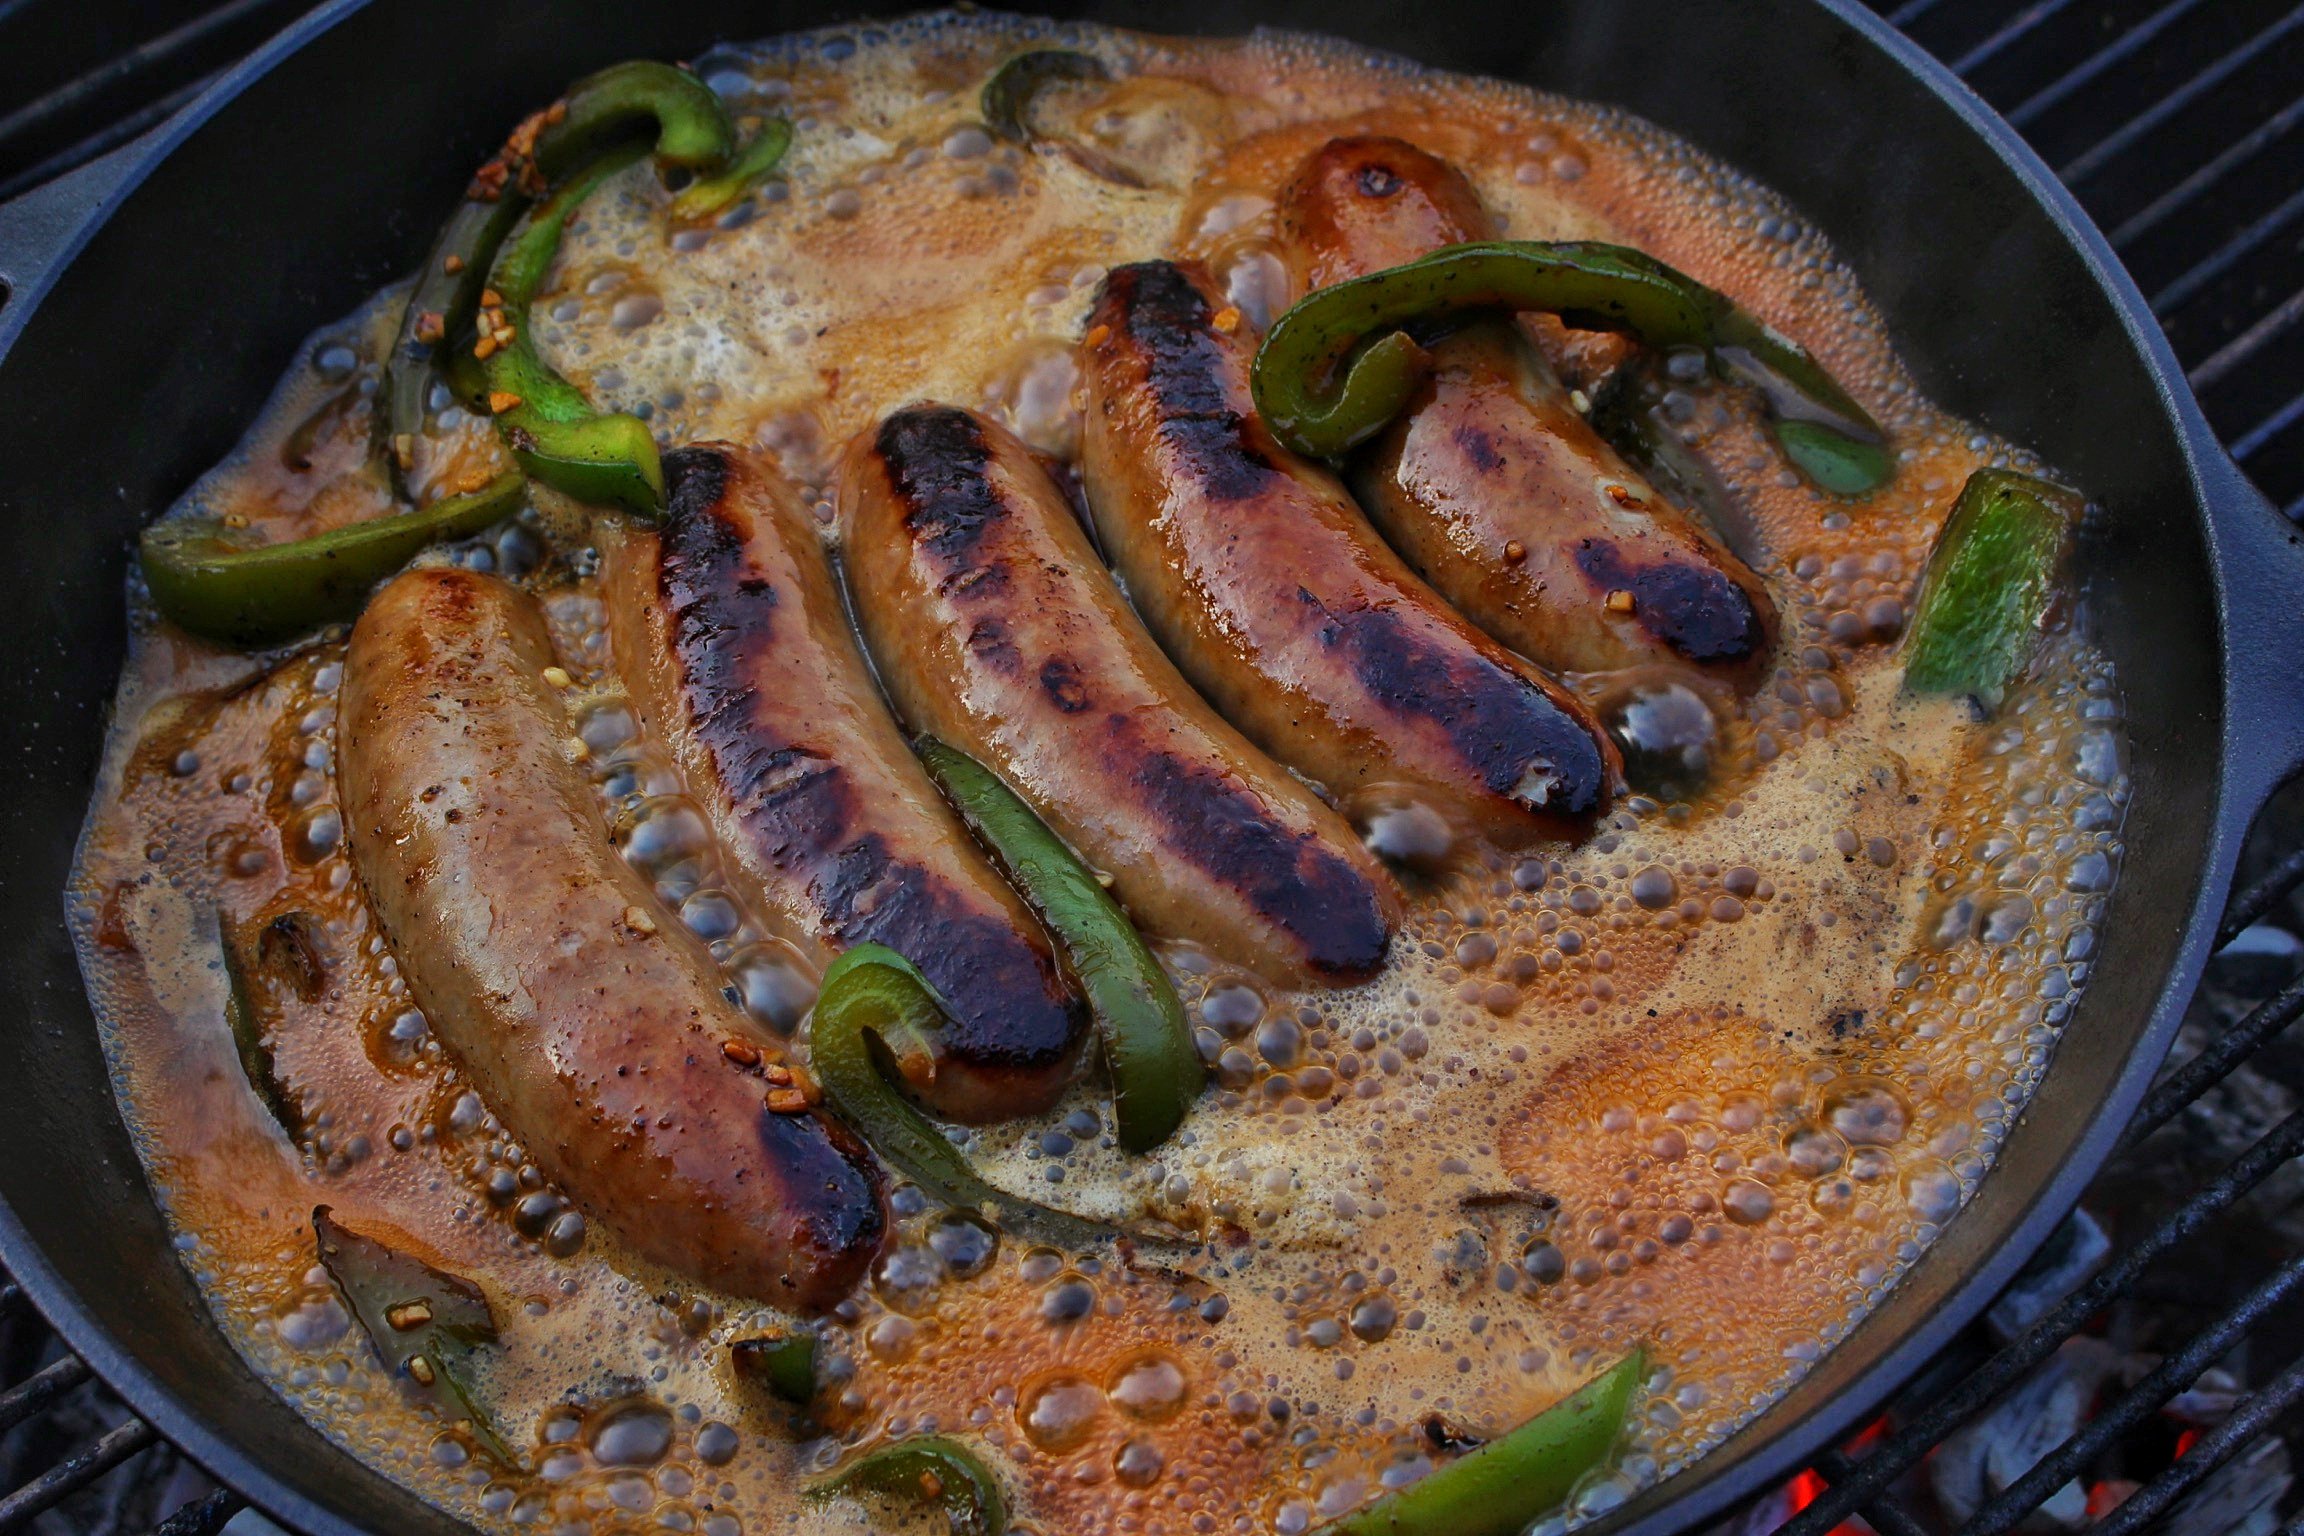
{"x":729,"y":629}
{"x":996,"y":629}
{"x":587,"y":1018}
{"x":1490,"y":482}
{"x":1267,"y":587}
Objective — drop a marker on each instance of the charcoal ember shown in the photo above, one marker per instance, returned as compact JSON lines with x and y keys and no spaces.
{"x":2145,"y":1184}
{"x":1762,"y":1517}
{"x":2109,"y":1495}
{"x":2240,"y":1498}
{"x":2040,"y":1413}
{"x":2073,"y":1252}
{"x":2209,"y":1401}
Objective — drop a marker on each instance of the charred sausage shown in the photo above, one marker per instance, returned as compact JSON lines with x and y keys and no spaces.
{"x":1273,"y":595}
{"x":728,"y":628}
{"x":1490,"y":483}
{"x":587,"y":1018}
{"x":996,"y":629}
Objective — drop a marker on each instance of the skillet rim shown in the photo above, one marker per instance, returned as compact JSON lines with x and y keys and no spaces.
{"x":2222,"y":506}
{"x":2235,"y":523}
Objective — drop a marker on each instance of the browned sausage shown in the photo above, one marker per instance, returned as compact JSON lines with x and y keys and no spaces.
{"x":1274,"y":596}
{"x":731,"y":637}
{"x":587,"y":1018}
{"x":1490,"y":483}
{"x":996,"y":628}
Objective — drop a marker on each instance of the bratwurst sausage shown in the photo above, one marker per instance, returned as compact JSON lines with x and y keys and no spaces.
{"x":1490,"y":482}
{"x":587,"y":1018}
{"x":1273,"y":595}
{"x":730,"y":635}
{"x":996,"y":629}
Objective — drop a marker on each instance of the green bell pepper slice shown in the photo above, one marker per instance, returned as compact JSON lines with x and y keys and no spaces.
{"x":873,"y":991}
{"x":1156,"y":1072}
{"x":928,"y":1469}
{"x":783,"y":1363}
{"x":1991,"y":580}
{"x":687,"y":127}
{"x":708,"y":196}
{"x":262,"y":595}
{"x":252,"y":1042}
{"x":1324,"y":386}
{"x":1506,"y":1485}
{"x":1006,"y":100}
{"x":552,"y":430}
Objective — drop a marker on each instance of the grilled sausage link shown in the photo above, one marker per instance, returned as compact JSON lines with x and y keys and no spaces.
{"x":587,"y":1018}
{"x":1274,"y":596}
{"x":729,"y":630}
{"x":995,"y":627}
{"x":1490,"y":483}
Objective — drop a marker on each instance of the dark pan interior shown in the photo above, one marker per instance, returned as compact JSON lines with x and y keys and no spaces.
{"x":323,"y":180}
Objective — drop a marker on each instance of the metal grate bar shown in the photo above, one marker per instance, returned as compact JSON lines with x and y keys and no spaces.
{"x":2086,"y":164}
{"x":2012,"y":32}
{"x":2249,"y":342}
{"x":2261,"y":897}
{"x":1909,"y":12}
{"x":2017,"y":1502}
{"x":105,"y":140}
{"x":1980,"y":1387}
{"x":2227,"y":256}
{"x":203,"y":1517}
{"x":2253,"y":1417}
{"x":2210,"y":1067}
{"x":1883,"y":1514}
{"x":29,"y":1397}
{"x":2239,"y":152}
{"x":2251,"y":442}
{"x":60,"y":1482}
{"x":2088,"y":69}
{"x":1889,"y":1519}
{"x":76,"y":94}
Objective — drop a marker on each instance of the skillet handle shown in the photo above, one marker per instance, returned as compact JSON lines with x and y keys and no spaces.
{"x":41,"y":230}
{"x":2260,"y":558}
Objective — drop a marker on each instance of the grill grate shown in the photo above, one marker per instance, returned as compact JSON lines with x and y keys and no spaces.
{"x":2180,"y":126}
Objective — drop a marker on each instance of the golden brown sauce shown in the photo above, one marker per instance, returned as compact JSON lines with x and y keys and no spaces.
{"x":1707,"y":1081}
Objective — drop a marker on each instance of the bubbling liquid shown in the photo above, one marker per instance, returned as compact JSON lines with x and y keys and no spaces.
{"x":1705,"y":1082}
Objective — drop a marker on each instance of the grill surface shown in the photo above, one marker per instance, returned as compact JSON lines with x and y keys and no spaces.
{"x":2180,"y":125}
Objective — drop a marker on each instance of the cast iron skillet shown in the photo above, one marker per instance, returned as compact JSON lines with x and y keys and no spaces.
{"x":154,"y":308}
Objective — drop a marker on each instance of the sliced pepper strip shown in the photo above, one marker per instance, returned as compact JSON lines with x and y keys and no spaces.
{"x":754,"y":163}
{"x":929,"y":1469}
{"x":784,"y":1363}
{"x":690,"y":128}
{"x":1989,"y":585}
{"x":872,"y":990}
{"x":1156,"y":1072}
{"x":250,"y":1041}
{"x":1006,"y":100}
{"x":1323,"y":387}
{"x":441,"y":305}
{"x":552,"y":430}
{"x":1506,"y":1485}
{"x":686,"y":123}
{"x":262,"y":595}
